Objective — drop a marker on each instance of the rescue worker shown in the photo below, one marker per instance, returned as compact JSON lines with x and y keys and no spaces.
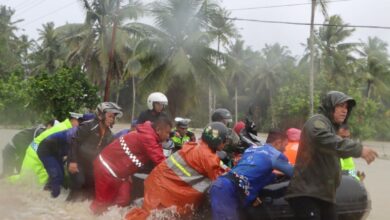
{"x":233,"y":140}
{"x":156,"y":103}
{"x":312,"y":189}
{"x":53,"y":151}
{"x":32,"y":165}
{"x":15,"y":150}
{"x":293,"y":135}
{"x":90,"y":138}
{"x":122,"y":158}
{"x":181,"y":180}
{"x":240,"y":187}
{"x":347,"y":164}
{"x":238,"y":127}
{"x":181,"y":134}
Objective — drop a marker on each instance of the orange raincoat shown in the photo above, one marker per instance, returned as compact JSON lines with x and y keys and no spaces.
{"x":291,"y":151}
{"x":179,"y":181}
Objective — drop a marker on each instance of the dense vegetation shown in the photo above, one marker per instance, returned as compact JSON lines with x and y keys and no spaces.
{"x":194,"y":54}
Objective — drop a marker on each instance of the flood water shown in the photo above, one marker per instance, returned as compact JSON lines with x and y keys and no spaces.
{"x":29,"y":201}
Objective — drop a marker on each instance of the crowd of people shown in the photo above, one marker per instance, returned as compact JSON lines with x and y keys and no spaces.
{"x":228,"y":166}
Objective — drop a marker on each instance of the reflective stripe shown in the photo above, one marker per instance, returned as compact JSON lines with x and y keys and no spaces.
{"x":105,"y":164}
{"x":34,"y":146}
{"x":179,"y":166}
{"x":187,"y":174}
{"x":132,"y":157}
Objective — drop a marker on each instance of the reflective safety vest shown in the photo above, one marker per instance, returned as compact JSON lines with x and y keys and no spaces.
{"x":348,"y":165}
{"x":31,"y":162}
{"x":179,"y":141}
{"x":187,"y":174}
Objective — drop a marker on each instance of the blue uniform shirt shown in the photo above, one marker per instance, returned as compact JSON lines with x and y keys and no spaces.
{"x":255,"y":169}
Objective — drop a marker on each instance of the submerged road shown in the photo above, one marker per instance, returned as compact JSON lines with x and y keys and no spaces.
{"x":28,"y":201}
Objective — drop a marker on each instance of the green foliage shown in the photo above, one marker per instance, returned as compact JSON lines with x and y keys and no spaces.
{"x":13,"y":98}
{"x":57,"y":94}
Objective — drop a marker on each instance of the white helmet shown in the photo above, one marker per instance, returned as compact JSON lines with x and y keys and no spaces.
{"x":156,"y":97}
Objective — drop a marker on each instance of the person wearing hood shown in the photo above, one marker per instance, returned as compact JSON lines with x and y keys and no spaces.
{"x":90,"y":138}
{"x":317,"y":174}
{"x":115,"y":165}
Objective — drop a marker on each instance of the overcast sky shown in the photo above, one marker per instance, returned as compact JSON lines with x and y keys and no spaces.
{"x":354,"y":12}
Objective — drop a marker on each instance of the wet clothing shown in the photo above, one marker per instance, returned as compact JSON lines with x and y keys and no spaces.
{"x":309,"y":208}
{"x":86,"y":144}
{"x":181,"y":181}
{"x":291,"y":151}
{"x":179,"y":140}
{"x":294,"y":135}
{"x":317,"y":169}
{"x":241,"y":186}
{"x":31,"y":162}
{"x":119,"y":161}
{"x":348,"y":167}
{"x":15,"y":150}
{"x":51,"y":152}
{"x":149,"y":115}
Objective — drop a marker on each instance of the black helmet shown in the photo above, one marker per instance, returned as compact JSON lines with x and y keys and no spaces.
{"x":222,"y":115}
{"x":215,"y":134}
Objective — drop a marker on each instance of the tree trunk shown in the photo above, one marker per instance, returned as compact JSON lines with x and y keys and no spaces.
{"x":210,"y":102}
{"x":368,"y":89}
{"x":235,"y":105}
{"x":311,"y":46}
{"x":111,"y":57}
{"x":118,"y":91}
{"x":133,"y":105}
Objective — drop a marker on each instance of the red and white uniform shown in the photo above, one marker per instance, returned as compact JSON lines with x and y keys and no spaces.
{"x":121,"y":159}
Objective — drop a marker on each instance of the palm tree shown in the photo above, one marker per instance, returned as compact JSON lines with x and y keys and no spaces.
{"x":9,"y":60}
{"x":323,"y":7}
{"x":336,"y":54}
{"x":50,"y":52}
{"x":275,"y":65}
{"x":96,"y":44}
{"x":176,"y":53}
{"x":240,"y":64}
{"x":375,"y":69}
{"x":223,"y":29}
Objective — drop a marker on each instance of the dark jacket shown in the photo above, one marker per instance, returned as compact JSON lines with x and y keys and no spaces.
{"x":317,"y":171}
{"x":149,"y":115}
{"x":57,"y":144}
{"x":87,"y":143}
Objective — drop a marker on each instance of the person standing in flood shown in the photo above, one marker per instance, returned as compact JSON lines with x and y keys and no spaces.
{"x":317,"y":174}
{"x":89,"y":139}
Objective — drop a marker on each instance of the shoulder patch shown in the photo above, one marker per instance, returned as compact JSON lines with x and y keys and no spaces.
{"x":319,"y":124}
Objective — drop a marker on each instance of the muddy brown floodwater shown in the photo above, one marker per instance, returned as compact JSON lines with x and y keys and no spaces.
{"x":28,"y":201}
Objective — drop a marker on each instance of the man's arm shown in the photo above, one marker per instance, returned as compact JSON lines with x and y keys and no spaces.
{"x":281,"y":164}
{"x":328,"y":142}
